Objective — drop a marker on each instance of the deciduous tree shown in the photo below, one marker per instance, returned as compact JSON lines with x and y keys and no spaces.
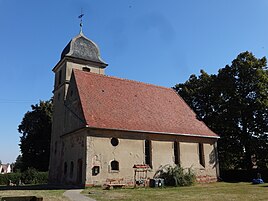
{"x":234,"y":104}
{"x":35,"y":140}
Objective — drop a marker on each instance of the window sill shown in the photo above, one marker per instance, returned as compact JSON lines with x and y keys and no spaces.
{"x":114,"y":171}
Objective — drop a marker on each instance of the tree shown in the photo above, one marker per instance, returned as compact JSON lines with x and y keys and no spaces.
{"x":35,"y":140}
{"x":18,"y":165}
{"x":234,"y":104}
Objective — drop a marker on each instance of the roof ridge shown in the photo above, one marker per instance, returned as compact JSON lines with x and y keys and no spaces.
{"x":125,"y":79}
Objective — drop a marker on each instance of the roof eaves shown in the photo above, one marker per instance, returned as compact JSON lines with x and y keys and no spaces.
{"x":154,"y":132}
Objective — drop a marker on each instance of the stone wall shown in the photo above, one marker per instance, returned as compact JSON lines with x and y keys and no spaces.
{"x":130,"y":151}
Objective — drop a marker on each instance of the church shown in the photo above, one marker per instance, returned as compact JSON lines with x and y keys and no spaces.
{"x":104,"y":126}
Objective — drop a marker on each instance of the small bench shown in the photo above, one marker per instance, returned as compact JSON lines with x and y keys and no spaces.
{"x":114,"y":183}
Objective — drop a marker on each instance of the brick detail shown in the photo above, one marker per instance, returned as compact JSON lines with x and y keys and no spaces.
{"x":206,"y":179}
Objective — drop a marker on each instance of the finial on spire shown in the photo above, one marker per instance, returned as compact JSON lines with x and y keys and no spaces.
{"x":81,"y":21}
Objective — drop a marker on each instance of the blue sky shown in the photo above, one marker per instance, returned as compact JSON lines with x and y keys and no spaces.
{"x":161,"y":42}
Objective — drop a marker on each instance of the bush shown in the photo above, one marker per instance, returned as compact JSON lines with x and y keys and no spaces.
{"x":5,"y":179}
{"x":176,"y":176}
{"x":41,"y":177}
{"x":30,"y":176}
{"x":14,"y":178}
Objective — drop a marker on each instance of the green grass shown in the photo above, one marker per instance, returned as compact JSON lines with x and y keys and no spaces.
{"x":48,"y":195}
{"x":209,"y":192}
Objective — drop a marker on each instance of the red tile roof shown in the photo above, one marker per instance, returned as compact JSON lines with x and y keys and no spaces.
{"x":114,"y":103}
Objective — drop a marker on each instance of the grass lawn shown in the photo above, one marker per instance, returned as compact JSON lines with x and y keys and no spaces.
{"x":48,"y":195}
{"x":209,"y":192}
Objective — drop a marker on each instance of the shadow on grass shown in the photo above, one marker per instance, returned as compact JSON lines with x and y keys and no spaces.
{"x":39,"y":187}
{"x":249,"y":182}
{"x":233,"y":182}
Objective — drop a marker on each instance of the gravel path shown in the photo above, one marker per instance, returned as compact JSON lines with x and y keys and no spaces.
{"x":74,"y":195}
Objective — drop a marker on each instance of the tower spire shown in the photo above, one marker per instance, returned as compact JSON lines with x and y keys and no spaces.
{"x":81,"y":21}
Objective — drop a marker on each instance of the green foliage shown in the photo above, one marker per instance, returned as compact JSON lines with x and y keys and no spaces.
{"x":35,"y":140}
{"x":176,"y":176}
{"x":6,"y":178}
{"x":30,"y":176}
{"x":18,"y":165}
{"x":234,"y":104}
{"x":41,"y":178}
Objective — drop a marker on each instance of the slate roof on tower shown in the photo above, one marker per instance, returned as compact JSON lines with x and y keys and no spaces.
{"x":120,"y":104}
{"x":83,"y":48}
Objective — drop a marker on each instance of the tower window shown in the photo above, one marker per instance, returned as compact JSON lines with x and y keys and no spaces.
{"x":115,"y":165}
{"x":62,"y":147}
{"x":60,"y":76}
{"x":58,"y":96}
{"x":86,"y":69}
{"x":176,"y":153}
{"x":148,"y":152}
{"x":201,"y":154}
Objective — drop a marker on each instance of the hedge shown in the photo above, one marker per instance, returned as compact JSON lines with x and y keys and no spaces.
{"x":30,"y":176}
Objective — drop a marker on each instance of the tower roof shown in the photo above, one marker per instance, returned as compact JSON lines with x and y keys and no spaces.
{"x":83,"y":48}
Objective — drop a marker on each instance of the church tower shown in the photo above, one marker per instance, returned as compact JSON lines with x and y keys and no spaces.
{"x":83,"y":54}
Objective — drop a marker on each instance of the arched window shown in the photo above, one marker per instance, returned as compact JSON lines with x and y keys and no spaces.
{"x":65,"y":168}
{"x":60,"y":77}
{"x":79,"y":171}
{"x":176,"y":153}
{"x":201,"y":154}
{"x":148,"y":152}
{"x":72,"y":169}
{"x":56,"y":147}
{"x":62,"y":147}
{"x":115,"y":165}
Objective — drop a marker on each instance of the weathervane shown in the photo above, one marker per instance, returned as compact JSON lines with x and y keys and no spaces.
{"x":81,"y":20}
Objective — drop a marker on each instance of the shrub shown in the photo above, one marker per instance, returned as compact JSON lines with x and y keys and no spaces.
{"x":30,"y":176}
{"x":176,"y":175}
{"x":5,"y":179}
{"x":41,"y":177}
